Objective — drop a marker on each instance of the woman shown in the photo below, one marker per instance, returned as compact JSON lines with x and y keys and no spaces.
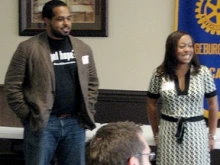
{"x":182,"y":83}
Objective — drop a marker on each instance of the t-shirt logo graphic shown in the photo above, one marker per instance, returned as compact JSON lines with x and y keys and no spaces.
{"x":63,"y":58}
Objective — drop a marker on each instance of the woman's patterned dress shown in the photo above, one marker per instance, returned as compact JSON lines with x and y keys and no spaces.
{"x":194,"y":149}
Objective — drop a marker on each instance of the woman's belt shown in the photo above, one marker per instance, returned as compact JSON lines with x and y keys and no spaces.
{"x":181,"y":124}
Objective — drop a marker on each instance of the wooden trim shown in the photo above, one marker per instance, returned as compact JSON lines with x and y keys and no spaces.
{"x":112,"y":106}
{"x":122,"y":96}
{"x":121,"y":105}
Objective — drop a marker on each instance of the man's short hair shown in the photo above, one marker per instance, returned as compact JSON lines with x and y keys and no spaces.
{"x":49,"y":6}
{"x":114,"y":144}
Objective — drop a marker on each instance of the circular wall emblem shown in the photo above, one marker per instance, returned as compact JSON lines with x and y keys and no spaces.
{"x":208,"y":15}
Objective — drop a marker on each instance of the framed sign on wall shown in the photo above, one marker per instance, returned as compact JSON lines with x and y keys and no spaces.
{"x":89,"y":17}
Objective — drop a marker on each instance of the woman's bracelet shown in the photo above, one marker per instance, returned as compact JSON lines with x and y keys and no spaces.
{"x":156,"y":137}
{"x":213,"y":137}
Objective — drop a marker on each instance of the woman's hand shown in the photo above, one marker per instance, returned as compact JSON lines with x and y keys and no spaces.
{"x":156,"y":139}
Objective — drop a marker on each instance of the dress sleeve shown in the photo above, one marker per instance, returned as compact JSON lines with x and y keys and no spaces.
{"x":154,"y":86}
{"x":209,"y":84}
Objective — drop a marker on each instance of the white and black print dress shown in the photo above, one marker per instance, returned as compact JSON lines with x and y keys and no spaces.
{"x":194,"y":149}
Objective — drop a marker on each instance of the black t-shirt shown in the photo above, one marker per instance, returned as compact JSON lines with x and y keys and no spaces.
{"x":66,"y":76}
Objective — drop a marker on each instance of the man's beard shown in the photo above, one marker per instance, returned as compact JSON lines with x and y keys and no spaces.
{"x":58,"y":34}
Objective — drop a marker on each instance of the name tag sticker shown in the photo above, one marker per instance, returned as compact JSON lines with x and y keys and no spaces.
{"x":85,"y":59}
{"x":168,"y":86}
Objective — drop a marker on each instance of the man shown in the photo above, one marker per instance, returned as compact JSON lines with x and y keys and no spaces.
{"x":52,"y":86}
{"x":120,"y":143}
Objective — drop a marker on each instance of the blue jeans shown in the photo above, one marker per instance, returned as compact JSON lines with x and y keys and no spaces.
{"x":62,"y":137}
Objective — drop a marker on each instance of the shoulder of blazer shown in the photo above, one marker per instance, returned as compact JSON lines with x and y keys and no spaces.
{"x":34,"y":44}
{"x":40,"y":38}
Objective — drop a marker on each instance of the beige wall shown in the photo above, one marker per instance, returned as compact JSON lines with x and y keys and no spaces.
{"x":125,"y":59}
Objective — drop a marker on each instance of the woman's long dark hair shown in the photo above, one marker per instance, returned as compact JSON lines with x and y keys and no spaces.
{"x":169,"y":65}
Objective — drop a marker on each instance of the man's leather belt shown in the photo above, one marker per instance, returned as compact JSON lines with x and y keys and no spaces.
{"x":181,"y":124}
{"x":64,"y":115}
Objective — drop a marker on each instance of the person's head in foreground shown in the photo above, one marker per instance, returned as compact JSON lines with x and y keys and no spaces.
{"x":120,"y":143}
